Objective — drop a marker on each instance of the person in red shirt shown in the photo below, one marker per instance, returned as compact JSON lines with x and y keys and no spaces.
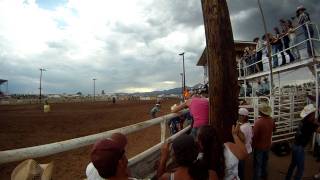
{"x":262,"y":134}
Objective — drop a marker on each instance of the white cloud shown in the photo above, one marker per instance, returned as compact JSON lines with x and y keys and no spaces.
{"x":81,"y":39}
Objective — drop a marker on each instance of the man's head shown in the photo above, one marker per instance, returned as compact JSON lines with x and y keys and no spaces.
{"x":300,"y":9}
{"x":243,"y":115}
{"x":308,"y":113}
{"x":256,"y":39}
{"x":265,"y":110}
{"x":108,"y":156}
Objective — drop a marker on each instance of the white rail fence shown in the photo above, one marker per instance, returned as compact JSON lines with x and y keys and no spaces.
{"x":62,"y":146}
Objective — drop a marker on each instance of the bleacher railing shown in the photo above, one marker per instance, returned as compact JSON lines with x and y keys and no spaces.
{"x":307,"y":38}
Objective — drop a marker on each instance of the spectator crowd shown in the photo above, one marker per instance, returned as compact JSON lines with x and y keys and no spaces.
{"x":283,"y":40}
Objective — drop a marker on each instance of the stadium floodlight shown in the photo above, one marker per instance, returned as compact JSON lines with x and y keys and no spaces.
{"x":40,"y":88}
{"x":94,"y":88}
{"x":184,"y":72}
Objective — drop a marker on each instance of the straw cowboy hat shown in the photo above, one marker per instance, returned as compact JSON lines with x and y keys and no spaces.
{"x":31,"y":170}
{"x":300,"y":8}
{"x":265,"y":109}
{"x":308,"y":109}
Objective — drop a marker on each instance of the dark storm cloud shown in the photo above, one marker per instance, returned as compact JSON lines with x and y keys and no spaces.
{"x":250,"y":25}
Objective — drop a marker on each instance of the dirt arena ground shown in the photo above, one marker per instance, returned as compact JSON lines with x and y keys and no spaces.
{"x":26,"y":125}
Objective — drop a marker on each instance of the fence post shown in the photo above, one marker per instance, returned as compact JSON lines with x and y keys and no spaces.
{"x":291,"y":96}
{"x":163,"y":130}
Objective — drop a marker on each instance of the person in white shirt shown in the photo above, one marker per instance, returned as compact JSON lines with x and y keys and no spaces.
{"x":246,"y":130}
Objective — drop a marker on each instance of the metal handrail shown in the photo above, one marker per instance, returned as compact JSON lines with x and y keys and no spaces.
{"x":308,"y":39}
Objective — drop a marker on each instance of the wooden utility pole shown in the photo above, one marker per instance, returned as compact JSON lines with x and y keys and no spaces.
{"x":223,"y":85}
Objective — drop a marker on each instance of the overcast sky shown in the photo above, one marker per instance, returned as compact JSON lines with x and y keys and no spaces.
{"x":128,"y":45}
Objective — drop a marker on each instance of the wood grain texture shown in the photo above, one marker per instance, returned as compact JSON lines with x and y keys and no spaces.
{"x":223,"y":85}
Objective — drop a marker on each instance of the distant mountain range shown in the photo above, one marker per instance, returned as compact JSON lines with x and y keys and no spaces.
{"x":166,"y":92}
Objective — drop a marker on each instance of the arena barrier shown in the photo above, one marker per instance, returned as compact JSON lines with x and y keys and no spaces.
{"x":150,"y":156}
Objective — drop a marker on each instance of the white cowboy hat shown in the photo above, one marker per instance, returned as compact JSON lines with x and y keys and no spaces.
{"x":307,"y":110}
{"x":265,"y":109}
{"x":243,"y":112}
{"x":300,"y":8}
{"x":30,"y":169}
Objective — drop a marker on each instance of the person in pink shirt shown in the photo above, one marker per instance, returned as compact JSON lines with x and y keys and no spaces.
{"x":199,"y":110}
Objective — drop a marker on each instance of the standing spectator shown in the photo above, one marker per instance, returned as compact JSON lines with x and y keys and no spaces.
{"x":277,"y":47}
{"x":303,"y":135}
{"x":259,"y":48}
{"x":262,"y":134}
{"x":246,"y":130}
{"x":154,"y":110}
{"x":293,"y":41}
{"x":304,"y":19}
{"x":199,"y":109}
{"x":221,"y":157}
{"x":285,"y":30}
{"x":113,"y":100}
{"x":248,"y":61}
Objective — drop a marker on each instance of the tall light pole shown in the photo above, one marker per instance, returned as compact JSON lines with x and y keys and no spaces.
{"x":184,"y":72}
{"x":40,"y":88}
{"x":268,"y":47}
{"x":181,"y":74}
{"x":94,"y":88}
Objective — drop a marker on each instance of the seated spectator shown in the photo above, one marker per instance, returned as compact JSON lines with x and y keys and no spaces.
{"x":185,"y":154}
{"x":30,"y":169}
{"x":109,"y":159}
{"x":221,"y":158}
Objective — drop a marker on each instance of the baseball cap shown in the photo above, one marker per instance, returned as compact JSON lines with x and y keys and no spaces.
{"x":243,"y":112}
{"x":106,"y":154}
